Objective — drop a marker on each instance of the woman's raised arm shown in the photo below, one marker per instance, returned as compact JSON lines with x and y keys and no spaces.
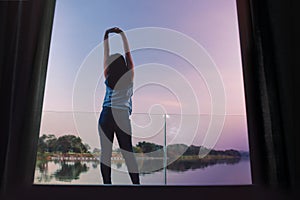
{"x":106,"y":50}
{"x":128,"y":56}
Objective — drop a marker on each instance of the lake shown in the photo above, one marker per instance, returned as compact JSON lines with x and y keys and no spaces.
{"x":217,"y":172}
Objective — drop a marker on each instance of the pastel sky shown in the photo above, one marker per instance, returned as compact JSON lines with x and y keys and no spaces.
{"x":78,"y":29}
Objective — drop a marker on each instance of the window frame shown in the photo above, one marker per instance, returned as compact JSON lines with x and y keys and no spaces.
{"x":24,"y":183}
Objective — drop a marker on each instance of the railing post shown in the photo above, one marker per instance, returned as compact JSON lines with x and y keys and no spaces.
{"x":165,"y":148}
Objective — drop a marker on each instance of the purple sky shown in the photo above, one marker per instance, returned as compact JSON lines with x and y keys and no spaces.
{"x":79,"y":27}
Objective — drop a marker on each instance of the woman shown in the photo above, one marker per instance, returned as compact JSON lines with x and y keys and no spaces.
{"x":116,"y":108}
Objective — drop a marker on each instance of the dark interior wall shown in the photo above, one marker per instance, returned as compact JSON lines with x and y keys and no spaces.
{"x":25,"y":30}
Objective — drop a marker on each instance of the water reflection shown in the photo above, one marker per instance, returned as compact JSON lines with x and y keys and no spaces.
{"x":94,"y":165}
{"x":63,"y":171}
{"x":70,"y":171}
{"x":149,"y":166}
{"x":44,"y":175}
{"x":185,"y":165}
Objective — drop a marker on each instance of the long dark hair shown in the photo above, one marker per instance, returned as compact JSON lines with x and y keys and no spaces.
{"x":117,"y":71}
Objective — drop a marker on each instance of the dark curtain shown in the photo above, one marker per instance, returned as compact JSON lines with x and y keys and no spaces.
{"x":272,"y":66}
{"x":25,"y":29}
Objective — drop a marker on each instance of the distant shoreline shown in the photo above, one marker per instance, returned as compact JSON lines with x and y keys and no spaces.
{"x":71,"y":148}
{"x":117,"y":156}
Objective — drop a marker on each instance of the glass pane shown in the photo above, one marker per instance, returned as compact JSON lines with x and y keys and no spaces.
{"x":59,"y":161}
{"x":148,"y":136}
{"x":226,"y":162}
{"x":179,"y":68}
{"x":66,"y":154}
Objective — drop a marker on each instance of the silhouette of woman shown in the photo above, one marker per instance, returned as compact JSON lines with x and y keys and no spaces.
{"x":116,"y":109}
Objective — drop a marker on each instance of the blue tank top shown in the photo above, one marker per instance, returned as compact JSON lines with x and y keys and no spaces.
{"x":119,"y":98}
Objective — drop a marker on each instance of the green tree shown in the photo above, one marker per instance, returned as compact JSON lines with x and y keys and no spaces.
{"x":70,"y":143}
{"x":63,"y":144}
{"x":42,"y":146}
{"x":137,"y":150}
{"x":87,"y":147}
{"x":47,"y":143}
{"x":147,"y":147}
{"x":76,"y":144}
{"x":96,"y":150}
{"x":51,"y":143}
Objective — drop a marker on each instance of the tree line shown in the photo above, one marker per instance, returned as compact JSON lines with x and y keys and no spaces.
{"x":63,"y":144}
{"x":71,"y":143}
{"x":175,"y":150}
